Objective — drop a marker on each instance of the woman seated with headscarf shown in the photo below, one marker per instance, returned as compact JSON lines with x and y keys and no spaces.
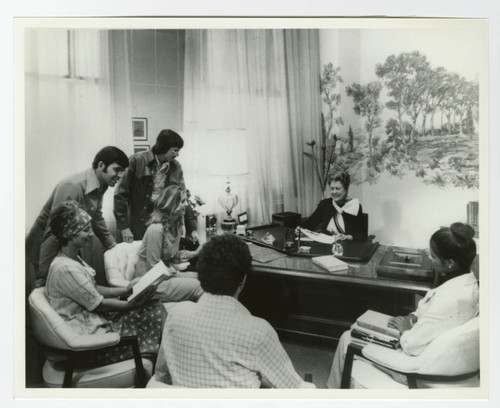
{"x":453,"y":301}
{"x":339,"y":215}
{"x":161,"y":243}
{"x":90,"y":308}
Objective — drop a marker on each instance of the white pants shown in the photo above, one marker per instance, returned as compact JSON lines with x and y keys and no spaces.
{"x":335,"y":377}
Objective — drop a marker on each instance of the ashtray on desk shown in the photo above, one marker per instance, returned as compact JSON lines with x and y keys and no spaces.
{"x":406,"y":265}
{"x":268,"y":238}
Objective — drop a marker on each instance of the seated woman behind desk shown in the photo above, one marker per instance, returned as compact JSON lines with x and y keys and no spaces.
{"x":161,"y":243}
{"x":338,"y":215}
{"x":454,"y":301}
{"x":90,"y":308}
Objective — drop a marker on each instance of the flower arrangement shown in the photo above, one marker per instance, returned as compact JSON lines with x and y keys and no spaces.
{"x":194,"y":201}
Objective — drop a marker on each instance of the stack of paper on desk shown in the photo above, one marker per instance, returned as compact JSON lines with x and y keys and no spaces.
{"x":331,"y":264}
{"x":153,"y":277}
{"x":318,"y":237}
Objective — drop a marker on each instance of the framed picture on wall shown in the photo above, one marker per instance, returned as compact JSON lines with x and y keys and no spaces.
{"x":141,"y":148}
{"x":140,"y":128}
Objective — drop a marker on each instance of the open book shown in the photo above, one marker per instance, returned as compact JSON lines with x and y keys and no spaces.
{"x":331,"y":264}
{"x":377,"y":322}
{"x":153,"y":277}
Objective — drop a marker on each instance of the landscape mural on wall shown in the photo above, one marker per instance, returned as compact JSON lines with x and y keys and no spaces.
{"x":429,"y":126}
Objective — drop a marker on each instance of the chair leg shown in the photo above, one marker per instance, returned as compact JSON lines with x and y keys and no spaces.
{"x":70,"y":366}
{"x":139,"y":367}
{"x":347,"y":370}
{"x":412,"y":381}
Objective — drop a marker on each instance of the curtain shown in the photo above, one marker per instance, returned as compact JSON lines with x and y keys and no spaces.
{"x":303,"y":75}
{"x":237,"y":79}
{"x":77,"y":100}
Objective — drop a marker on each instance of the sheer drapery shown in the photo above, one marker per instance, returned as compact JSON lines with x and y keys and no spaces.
{"x":76,"y":102}
{"x":237,"y":79}
{"x":303,"y":74}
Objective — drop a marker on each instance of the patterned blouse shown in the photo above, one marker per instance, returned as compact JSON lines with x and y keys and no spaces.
{"x":72,"y":292}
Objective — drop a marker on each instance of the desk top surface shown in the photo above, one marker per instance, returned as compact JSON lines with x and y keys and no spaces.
{"x":359,"y":273}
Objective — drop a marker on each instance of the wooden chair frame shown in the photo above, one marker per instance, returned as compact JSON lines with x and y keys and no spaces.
{"x":356,"y":350}
{"x":73,"y":355}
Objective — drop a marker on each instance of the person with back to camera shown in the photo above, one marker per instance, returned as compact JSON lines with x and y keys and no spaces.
{"x":453,"y":301}
{"x":90,"y":308}
{"x":216,"y":342}
{"x":161,"y":243}
{"x":338,"y":215}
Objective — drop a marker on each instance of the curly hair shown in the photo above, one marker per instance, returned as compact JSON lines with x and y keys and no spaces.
{"x":342,"y":176}
{"x":455,"y":242}
{"x":60,"y":216}
{"x":223,"y":263}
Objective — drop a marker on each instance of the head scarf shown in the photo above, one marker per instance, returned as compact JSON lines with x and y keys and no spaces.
{"x":79,"y":222}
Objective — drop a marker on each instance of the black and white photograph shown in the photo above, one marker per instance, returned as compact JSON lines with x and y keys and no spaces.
{"x":279,"y":209}
{"x":140,"y":126}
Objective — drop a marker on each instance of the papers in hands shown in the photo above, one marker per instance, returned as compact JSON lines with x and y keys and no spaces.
{"x":153,"y":277}
{"x":318,"y":237}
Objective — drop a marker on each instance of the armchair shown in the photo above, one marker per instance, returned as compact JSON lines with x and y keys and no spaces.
{"x":119,"y":263}
{"x":63,"y":344}
{"x":451,"y":360}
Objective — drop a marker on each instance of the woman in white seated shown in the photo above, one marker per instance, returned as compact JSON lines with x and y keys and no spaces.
{"x":90,"y":308}
{"x":454,"y":301}
{"x":161,"y":243}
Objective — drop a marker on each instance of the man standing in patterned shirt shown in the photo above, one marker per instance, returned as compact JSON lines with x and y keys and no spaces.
{"x":216,"y":342}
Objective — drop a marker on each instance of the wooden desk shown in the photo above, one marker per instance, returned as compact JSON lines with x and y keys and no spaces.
{"x":303,"y":301}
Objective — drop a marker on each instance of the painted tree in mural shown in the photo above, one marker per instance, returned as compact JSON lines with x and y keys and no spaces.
{"x":404,"y":76}
{"x":434,"y":95}
{"x":367,"y":105}
{"x":330,"y":81}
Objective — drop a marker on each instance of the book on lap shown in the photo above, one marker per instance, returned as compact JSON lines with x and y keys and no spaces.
{"x":331,"y":264}
{"x":377,"y":322}
{"x":363,"y":336}
{"x":153,"y":277}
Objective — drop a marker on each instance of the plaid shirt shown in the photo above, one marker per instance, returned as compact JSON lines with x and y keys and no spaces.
{"x":217,"y":343}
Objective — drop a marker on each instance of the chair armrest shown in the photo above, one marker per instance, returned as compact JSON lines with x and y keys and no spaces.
{"x":80,"y":342}
{"x":395,"y":360}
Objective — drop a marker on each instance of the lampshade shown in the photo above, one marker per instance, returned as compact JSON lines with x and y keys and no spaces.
{"x":227,"y":152}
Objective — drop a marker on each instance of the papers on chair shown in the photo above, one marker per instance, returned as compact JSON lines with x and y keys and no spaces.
{"x":318,"y":237}
{"x":331,"y":264}
{"x":153,"y":277}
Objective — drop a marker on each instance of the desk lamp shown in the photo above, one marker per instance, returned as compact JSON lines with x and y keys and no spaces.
{"x":233,"y":163}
